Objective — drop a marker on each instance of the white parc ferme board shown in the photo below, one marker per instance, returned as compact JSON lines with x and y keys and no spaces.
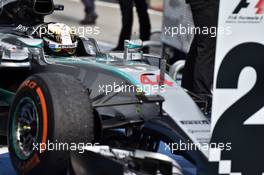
{"x":238,"y":94}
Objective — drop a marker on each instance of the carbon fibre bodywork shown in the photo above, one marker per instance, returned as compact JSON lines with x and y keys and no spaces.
{"x":136,"y":106}
{"x":180,"y":120}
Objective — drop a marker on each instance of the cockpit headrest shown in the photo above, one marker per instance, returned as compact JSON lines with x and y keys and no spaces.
{"x":43,"y":7}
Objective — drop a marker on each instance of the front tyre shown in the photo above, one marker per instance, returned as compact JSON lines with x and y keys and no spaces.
{"x":50,"y":114}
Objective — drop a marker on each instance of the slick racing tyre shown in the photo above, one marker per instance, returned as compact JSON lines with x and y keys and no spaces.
{"x":50,"y":115}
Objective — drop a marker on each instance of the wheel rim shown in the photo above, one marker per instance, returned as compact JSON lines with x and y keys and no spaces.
{"x":25,"y":127}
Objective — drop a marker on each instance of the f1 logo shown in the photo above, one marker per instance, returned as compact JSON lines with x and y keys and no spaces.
{"x":242,"y":4}
{"x":260,"y":7}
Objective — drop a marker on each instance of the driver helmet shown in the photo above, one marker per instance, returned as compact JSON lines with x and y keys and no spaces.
{"x":59,"y":39}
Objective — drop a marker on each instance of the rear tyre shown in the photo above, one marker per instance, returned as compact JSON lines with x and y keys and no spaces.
{"x":50,"y":114}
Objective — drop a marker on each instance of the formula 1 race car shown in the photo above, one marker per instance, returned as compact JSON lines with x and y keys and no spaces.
{"x":59,"y":92}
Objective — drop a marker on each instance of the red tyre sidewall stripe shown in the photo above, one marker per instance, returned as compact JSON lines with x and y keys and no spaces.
{"x":35,"y":159}
{"x":44,"y":118}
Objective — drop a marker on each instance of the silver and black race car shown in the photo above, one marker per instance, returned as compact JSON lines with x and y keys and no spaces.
{"x":59,"y":92}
